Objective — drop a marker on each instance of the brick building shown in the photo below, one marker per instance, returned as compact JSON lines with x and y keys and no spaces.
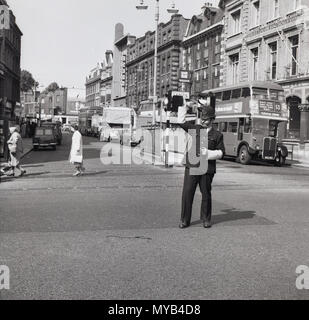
{"x":28,"y":102}
{"x":140,"y":61}
{"x":268,"y":40}
{"x":202,"y":54}
{"x":93,"y":93}
{"x":53,"y":103}
{"x":10,"y":52}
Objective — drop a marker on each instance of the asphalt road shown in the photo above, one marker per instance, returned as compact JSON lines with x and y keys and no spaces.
{"x":113,"y":233}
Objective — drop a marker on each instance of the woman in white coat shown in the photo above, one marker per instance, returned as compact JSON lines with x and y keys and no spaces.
{"x":16,"y":149}
{"x":76,"y":155}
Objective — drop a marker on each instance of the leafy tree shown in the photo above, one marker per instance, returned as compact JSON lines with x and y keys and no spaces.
{"x":51,"y":88}
{"x":27,"y":81}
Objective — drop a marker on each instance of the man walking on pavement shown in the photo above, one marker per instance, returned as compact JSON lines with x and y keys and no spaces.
{"x":208,"y":146}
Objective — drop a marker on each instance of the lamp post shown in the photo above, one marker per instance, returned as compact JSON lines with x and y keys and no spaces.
{"x":172,"y":10}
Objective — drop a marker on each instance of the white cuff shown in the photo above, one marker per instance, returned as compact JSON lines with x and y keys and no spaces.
{"x":215,"y":154}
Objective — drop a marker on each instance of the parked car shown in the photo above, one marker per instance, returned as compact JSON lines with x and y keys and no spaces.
{"x":57,"y":128}
{"x":44,"y":137}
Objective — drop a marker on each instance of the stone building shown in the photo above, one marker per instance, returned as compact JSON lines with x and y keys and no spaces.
{"x":268,"y":40}
{"x":140,"y":61}
{"x":10,"y":52}
{"x":202,"y":54}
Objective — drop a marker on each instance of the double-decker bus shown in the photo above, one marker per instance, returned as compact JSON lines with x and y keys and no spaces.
{"x":252,"y":117}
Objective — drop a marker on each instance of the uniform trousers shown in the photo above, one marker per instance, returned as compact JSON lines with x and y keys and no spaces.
{"x":189,"y":189}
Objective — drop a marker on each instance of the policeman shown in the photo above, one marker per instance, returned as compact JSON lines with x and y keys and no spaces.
{"x":198,"y":173}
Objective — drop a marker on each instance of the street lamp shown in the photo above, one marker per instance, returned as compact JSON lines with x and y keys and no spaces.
{"x":172,"y":10}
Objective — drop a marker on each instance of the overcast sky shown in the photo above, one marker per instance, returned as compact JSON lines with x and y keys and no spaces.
{"x":64,"y":39}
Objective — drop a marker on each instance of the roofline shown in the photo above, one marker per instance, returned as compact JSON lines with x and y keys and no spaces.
{"x":255,"y":84}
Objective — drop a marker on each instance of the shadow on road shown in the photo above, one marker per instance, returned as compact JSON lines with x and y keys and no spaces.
{"x":238,"y":217}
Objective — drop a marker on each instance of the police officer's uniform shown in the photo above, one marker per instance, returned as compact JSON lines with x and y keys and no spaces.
{"x":204,"y":180}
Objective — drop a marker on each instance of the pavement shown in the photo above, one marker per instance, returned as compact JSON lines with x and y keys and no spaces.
{"x":113,"y":233}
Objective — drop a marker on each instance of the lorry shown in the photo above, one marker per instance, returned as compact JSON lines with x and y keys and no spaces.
{"x":118,"y":124}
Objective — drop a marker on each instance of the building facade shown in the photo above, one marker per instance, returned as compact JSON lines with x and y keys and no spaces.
{"x":53,"y":103}
{"x":268,"y":40}
{"x":119,"y":81}
{"x":93,"y":86}
{"x":29,"y":103}
{"x":202,"y":51}
{"x":10,"y":52}
{"x":140,"y":61}
{"x":107,"y":80}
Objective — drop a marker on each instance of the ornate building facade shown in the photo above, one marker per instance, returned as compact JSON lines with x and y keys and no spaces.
{"x":268,"y":40}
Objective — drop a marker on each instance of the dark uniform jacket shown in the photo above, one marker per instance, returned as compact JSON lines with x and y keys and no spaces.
{"x":215,"y":142}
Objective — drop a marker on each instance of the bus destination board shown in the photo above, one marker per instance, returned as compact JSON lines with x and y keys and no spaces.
{"x":270,"y":107}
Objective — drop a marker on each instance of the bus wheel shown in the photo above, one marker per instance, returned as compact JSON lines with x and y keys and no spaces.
{"x":280,"y":161}
{"x":244,"y":155}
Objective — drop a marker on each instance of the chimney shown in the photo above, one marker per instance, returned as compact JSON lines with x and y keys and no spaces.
{"x":119,"y":31}
{"x":109,"y":57}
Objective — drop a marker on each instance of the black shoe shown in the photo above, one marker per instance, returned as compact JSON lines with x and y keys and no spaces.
{"x":183,"y":225}
{"x":207,"y":225}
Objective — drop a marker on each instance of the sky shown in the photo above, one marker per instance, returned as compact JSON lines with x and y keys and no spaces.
{"x":64,"y":39}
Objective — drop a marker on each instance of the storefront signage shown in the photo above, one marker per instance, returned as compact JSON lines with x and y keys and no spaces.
{"x":291,"y":19}
{"x":185,"y":76}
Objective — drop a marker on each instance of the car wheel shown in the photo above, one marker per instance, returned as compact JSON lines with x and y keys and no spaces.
{"x":54,"y":148}
{"x":244,"y":155}
{"x":35,"y":148}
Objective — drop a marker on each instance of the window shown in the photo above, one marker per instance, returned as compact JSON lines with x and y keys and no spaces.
{"x":235,"y":26}
{"x":223,"y":127}
{"x":255,"y":9}
{"x":273,"y":60}
{"x":226,"y":95}
{"x":246,"y":92}
{"x":294,"y":41}
{"x":197,"y":76}
{"x":254,"y":63}
{"x":276,"y":9}
{"x":205,"y":71}
{"x":236,"y":94}
{"x":198,"y":60}
{"x":233,"y":127}
{"x":234,"y":66}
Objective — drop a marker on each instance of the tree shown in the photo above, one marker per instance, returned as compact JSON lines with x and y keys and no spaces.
{"x":27,"y":81}
{"x":51,"y":88}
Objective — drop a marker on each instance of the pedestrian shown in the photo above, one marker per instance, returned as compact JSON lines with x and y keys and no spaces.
{"x":205,"y":151}
{"x":76,"y":155}
{"x":15,"y":145}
